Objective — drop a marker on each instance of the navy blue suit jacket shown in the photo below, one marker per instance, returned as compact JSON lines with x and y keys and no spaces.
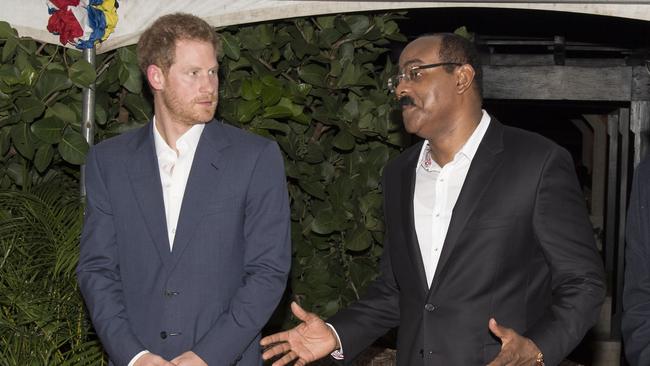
{"x":636,"y":291}
{"x":231,"y":255}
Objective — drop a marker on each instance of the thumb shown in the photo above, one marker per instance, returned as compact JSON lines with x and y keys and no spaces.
{"x":299,"y":312}
{"x":496,"y":329}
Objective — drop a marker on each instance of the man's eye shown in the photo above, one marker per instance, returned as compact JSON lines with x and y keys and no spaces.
{"x":414,"y":74}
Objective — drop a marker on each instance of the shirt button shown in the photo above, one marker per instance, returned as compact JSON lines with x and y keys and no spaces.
{"x":437,"y":215}
{"x":174,"y":231}
{"x":163,"y":334}
{"x":429,"y":307}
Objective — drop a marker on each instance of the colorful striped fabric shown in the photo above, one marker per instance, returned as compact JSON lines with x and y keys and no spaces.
{"x":82,"y":23}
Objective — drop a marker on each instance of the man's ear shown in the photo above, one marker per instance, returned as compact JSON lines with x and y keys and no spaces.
{"x":156,"y":77}
{"x":464,"y":78}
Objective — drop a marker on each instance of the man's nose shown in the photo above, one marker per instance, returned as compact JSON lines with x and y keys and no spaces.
{"x":401,"y":89}
{"x":209,"y":84}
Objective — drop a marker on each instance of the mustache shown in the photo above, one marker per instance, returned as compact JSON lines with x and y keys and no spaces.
{"x":405,"y":101}
{"x":211,"y":98}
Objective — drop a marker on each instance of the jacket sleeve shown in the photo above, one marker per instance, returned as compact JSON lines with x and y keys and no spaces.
{"x":636,"y":291}
{"x":562,"y":227}
{"x":267,"y":260}
{"x":98,"y":271}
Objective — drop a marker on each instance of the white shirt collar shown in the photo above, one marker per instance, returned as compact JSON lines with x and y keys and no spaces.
{"x":468,"y":149}
{"x":187,"y":142}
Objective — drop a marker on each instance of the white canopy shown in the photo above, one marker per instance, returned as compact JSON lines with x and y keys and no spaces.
{"x":30,"y":17}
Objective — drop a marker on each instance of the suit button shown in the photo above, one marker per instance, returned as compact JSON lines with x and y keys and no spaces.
{"x":429,"y":307}
{"x":163,"y":334}
{"x":169,"y":293}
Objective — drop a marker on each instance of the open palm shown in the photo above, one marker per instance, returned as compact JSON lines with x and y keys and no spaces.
{"x":308,"y":341}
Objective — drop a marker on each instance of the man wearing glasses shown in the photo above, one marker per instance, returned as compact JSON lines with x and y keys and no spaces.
{"x":489,"y":255}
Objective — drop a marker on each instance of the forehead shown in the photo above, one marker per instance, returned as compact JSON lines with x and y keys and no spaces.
{"x":194,"y":52}
{"x":423,"y":50}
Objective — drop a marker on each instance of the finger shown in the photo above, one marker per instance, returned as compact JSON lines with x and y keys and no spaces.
{"x":276,"y":350}
{"x":275,"y":338}
{"x":299,"y":312}
{"x":498,"y":330}
{"x":286,"y":359}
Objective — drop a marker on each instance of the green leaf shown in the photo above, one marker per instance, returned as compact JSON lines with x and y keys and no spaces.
{"x":270,"y":124}
{"x":350,"y":76}
{"x":62,"y":112}
{"x":230,"y":46}
{"x":313,"y":74}
{"x":315,"y":189}
{"x":127,"y":55}
{"x":315,"y":154}
{"x":10,"y":119}
{"x":344,"y":141}
{"x":101,"y":116}
{"x":6,"y":31}
{"x":131,"y":77}
{"x":82,"y":73}
{"x":73,"y":147}
{"x":23,"y":140}
{"x":43,"y":157}
{"x":247,"y":109}
{"x":251,"y":89}
{"x":358,"y":24}
{"x":50,"y":82}
{"x":49,"y":129}
{"x":271,"y":94}
{"x":325,"y":222}
{"x":15,"y":171}
{"x":5,"y":140}
{"x":8,"y":49}
{"x":358,"y":240}
{"x":30,"y":108}
{"x":138,"y":106}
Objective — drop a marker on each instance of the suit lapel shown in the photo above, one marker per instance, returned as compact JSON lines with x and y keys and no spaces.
{"x":480,"y":174}
{"x":204,"y":175}
{"x":408,"y":223}
{"x":145,"y":179}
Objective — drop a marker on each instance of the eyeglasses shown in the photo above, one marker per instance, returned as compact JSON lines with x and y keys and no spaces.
{"x":413,"y":73}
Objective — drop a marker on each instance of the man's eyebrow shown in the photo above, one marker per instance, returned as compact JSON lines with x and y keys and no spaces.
{"x":413,"y":61}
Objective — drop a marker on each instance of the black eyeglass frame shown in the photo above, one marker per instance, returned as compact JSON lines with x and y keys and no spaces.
{"x":394,"y":81}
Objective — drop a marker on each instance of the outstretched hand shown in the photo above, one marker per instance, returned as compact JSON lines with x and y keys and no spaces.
{"x":516,"y":350}
{"x":308,"y":341}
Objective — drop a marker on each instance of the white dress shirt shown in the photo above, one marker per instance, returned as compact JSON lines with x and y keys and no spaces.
{"x":436,"y":192}
{"x":174,"y":171}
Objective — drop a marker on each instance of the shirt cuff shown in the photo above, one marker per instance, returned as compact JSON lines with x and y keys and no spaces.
{"x":135,"y":358}
{"x":337,"y":354}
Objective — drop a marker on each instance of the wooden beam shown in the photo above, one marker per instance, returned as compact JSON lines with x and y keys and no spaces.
{"x":641,"y":83}
{"x":640,"y":126}
{"x":558,"y":83}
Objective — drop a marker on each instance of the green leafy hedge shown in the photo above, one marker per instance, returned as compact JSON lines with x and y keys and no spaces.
{"x":315,"y":85}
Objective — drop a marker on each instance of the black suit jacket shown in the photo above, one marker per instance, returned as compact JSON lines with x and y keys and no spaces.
{"x":519,"y":248}
{"x":636,"y":293}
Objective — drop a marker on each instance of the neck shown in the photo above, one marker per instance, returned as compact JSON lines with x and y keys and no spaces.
{"x":169,"y":128}
{"x":446,"y":143}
